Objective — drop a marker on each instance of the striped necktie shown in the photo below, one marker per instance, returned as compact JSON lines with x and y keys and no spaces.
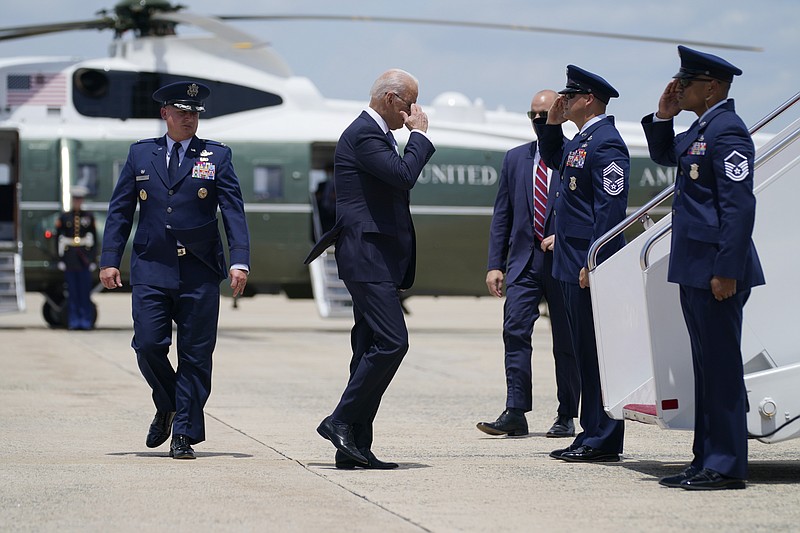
{"x":391,"y":140}
{"x":539,"y":199}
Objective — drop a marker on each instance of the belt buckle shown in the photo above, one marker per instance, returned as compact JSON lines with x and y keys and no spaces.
{"x":181,"y":252}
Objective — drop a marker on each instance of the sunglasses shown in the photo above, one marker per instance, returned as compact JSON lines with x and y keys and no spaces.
{"x":533,"y":114}
{"x":685,"y":82}
{"x":570,"y":96}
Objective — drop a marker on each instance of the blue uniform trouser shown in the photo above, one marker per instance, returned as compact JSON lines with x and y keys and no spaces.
{"x":599,"y":430}
{"x":79,"y":302}
{"x":520,"y":312}
{"x":194,"y":307}
{"x":379,"y":340}
{"x":720,"y":420}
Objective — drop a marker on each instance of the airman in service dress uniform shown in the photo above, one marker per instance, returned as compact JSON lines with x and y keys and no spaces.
{"x":713,"y":258}
{"x":592,"y":198}
{"x":77,"y":257}
{"x":179,"y":181}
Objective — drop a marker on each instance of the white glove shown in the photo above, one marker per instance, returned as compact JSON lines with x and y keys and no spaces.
{"x":62,"y":266}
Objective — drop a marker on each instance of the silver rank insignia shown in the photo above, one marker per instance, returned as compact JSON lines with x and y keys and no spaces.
{"x":736,"y":167}
{"x":202,"y":192}
{"x":693,"y":173}
{"x":573,"y":183}
{"x":613,"y":179}
{"x":143,"y":195}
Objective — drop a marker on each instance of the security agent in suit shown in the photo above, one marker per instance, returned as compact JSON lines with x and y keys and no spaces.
{"x":516,"y":249}
{"x":593,"y":194}
{"x":713,"y":258}
{"x":177,"y":263}
{"x":375,"y":253}
{"x":77,"y":258}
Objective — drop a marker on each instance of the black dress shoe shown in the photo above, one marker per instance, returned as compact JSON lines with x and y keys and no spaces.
{"x":708,"y":479}
{"x":587,"y":454}
{"x":676,"y":480}
{"x":562,"y":427}
{"x":179,"y":448}
{"x":345,"y":463}
{"x":341,"y":436}
{"x":508,"y":423}
{"x":160,"y":428}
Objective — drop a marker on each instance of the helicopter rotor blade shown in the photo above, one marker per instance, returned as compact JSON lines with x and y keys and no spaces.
{"x":494,"y":26}
{"x":238,"y":38}
{"x":43,"y":29}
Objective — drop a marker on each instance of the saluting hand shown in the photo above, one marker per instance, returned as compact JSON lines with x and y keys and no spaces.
{"x":668,"y":103}
{"x":556,"y":114}
{"x":417,"y":120}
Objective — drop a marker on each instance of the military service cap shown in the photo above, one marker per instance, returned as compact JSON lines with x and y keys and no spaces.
{"x":694,"y":64}
{"x":185,"y":95}
{"x":79,"y":191}
{"x":584,"y":82}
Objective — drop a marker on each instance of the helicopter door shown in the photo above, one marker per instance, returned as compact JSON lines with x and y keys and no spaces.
{"x":12,"y":283}
{"x":330,"y":294}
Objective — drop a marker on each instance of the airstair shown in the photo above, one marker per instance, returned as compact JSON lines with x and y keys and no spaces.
{"x":643,"y":346}
{"x":12,"y":285}
{"x":12,"y":282}
{"x":332,"y":297}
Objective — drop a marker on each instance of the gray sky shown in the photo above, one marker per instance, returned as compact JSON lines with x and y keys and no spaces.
{"x":503,"y":68}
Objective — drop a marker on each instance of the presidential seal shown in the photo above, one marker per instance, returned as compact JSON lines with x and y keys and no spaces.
{"x":202,"y":192}
{"x":143,"y":195}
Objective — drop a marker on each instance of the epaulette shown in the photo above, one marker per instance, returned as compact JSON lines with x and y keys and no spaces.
{"x":209,"y":141}
{"x":151,"y":140}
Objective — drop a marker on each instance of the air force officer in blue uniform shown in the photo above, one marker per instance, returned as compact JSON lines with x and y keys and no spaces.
{"x":593,"y":195}
{"x":520,"y":254}
{"x":178,"y":181}
{"x":375,"y":254}
{"x":713,"y":258}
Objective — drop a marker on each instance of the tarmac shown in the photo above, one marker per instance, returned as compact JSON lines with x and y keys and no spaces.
{"x":74,"y":412}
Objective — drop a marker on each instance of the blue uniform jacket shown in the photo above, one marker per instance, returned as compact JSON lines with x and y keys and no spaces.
{"x":184,"y":211}
{"x":374,"y":233}
{"x":713,"y":210}
{"x":592,"y":192}
{"x":511,"y":237}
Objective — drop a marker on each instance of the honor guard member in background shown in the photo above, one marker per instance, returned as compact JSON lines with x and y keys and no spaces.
{"x":77,"y":258}
{"x":713,"y":258}
{"x":593,"y":194}
{"x":179,"y":181}
{"x":520,"y":253}
{"x":375,"y":254}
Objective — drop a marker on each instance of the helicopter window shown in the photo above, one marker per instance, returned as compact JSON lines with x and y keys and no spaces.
{"x":124,"y":95}
{"x":267,"y":183}
{"x":87,"y":177}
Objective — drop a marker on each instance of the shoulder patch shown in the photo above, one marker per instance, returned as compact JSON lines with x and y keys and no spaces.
{"x":736,"y":166}
{"x":613,"y":179}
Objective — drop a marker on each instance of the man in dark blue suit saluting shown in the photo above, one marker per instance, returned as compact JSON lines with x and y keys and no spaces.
{"x":177,"y":262}
{"x":521,"y":255}
{"x":594,"y":168}
{"x":375,"y":253}
{"x":713,"y":257}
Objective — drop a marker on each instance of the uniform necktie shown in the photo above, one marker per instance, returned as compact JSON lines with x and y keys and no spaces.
{"x":174,"y":162}
{"x":539,"y":199}
{"x":391,"y":140}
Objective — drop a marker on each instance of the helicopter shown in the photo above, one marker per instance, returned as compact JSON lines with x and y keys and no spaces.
{"x":66,"y":122}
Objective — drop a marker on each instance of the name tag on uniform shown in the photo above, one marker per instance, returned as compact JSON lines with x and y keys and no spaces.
{"x":204,"y":170}
{"x":143,"y":178}
{"x":576,"y":158}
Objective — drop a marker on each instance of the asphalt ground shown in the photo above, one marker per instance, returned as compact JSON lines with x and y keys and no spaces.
{"x":74,"y":412}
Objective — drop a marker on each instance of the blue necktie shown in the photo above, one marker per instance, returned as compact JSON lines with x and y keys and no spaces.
{"x":174,"y":162}
{"x":391,"y":140}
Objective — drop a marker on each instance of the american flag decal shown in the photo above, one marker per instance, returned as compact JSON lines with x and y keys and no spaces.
{"x":36,"y":89}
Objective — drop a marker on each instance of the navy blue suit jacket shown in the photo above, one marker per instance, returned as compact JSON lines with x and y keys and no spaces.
{"x":511,"y":237}
{"x":713,"y":211}
{"x":593,"y":192}
{"x":374,"y":233}
{"x":184,"y":211}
